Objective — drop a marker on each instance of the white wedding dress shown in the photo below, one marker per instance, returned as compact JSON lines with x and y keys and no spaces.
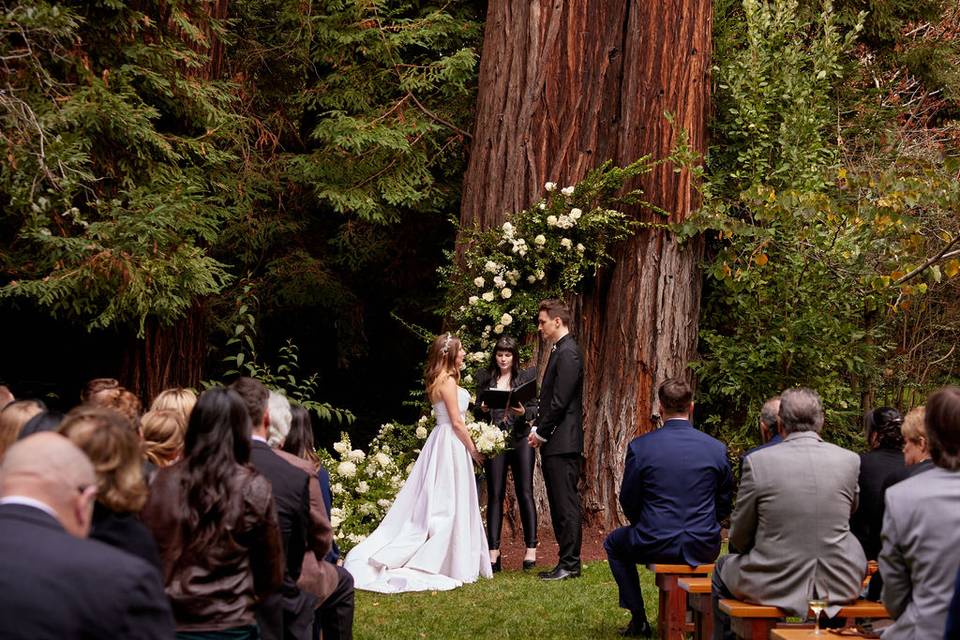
{"x":432,"y":538}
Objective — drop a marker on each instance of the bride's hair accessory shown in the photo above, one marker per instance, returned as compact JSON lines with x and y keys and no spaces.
{"x":446,"y":344}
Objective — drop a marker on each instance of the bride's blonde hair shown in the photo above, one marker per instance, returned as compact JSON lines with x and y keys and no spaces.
{"x":441,"y":362}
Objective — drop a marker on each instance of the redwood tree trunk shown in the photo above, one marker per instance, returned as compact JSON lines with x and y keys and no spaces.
{"x":564,"y":87}
{"x":166,"y":356}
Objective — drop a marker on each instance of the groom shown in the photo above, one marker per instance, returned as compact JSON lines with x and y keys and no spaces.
{"x":558,"y":432}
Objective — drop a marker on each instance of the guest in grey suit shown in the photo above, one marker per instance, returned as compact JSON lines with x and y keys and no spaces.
{"x":790,"y":531}
{"x":921,"y":530}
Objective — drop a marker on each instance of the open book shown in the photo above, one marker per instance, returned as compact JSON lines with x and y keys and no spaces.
{"x":503,"y":398}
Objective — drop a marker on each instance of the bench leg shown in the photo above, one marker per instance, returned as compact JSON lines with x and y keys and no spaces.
{"x":702,"y":608}
{"x":753,"y":628}
{"x":672,"y":609}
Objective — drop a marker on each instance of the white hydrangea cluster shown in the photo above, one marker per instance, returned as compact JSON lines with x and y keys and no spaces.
{"x":489,"y":440}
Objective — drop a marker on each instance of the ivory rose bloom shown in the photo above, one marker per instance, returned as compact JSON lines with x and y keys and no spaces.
{"x":479,"y":281}
{"x":550,"y":186}
{"x":566,"y":243}
{"x":347,"y":469}
{"x":421,"y":432}
{"x":487,"y":296}
{"x":506,"y":319}
{"x":540,"y":240}
{"x":552,"y":221}
{"x":575,"y":213}
{"x":473,"y":299}
{"x":567,"y":191}
{"x":506,"y":293}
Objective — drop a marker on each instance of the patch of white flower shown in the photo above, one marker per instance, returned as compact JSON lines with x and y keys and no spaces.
{"x":580,"y":247}
{"x":356,"y":455}
{"x":488,"y":439}
{"x":506,"y":319}
{"x":540,"y":240}
{"x":473,"y":299}
{"x":567,"y":191}
{"x":479,"y":282}
{"x":499,"y":282}
{"x":550,"y":186}
{"x":341,"y":447}
{"x":498,"y":329}
{"x":347,"y":469}
{"x":531,"y":278}
{"x":575,"y":213}
{"x":363,"y":487}
{"x":552,"y":221}
{"x":566,"y":243}
{"x":382,"y":459}
{"x":421,"y":432}
{"x":491,"y":266}
{"x":507,"y":230}
{"x":506,"y":293}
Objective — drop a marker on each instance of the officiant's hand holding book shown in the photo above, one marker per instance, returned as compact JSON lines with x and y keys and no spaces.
{"x":512,"y":398}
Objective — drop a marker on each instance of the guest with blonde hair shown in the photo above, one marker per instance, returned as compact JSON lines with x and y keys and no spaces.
{"x":13,"y":417}
{"x":176,"y":399}
{"x":162,"y":433}
{"x":114,"y":449}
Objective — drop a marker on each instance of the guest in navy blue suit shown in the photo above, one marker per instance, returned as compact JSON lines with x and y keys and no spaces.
{"x":769,"y":430}
{"x":676,"y":488}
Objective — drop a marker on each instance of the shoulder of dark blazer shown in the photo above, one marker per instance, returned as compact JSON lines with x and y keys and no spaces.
{"x":524,"y":376}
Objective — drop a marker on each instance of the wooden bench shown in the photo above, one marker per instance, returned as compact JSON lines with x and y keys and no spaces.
{"x":701,"y":604}
{"x":672,"y":608}
{"x":755,"y":622}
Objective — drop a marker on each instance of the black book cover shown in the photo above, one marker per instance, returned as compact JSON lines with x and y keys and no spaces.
{"x":502,"y":398}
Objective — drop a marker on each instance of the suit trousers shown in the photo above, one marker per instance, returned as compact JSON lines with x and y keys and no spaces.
{"x":624,"y":556}
{"x":561,"y":474}
{"x":334,"y":616}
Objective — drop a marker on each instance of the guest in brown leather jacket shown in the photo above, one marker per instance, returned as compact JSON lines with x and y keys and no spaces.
{"x":216,"y":525}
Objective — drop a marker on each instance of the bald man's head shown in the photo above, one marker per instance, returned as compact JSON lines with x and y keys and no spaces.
{"x":49,"y":468}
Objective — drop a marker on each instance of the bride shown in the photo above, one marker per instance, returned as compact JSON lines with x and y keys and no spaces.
{"x":432,"y":538}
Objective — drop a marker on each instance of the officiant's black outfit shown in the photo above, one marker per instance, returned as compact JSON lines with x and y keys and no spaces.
{"x":560,"y":423}
{"x":519,"y":457}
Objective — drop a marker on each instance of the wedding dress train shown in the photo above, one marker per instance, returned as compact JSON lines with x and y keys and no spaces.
{"x":432,"y":538}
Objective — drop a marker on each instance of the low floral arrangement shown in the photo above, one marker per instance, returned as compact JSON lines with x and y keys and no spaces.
{"x":365,"y":483}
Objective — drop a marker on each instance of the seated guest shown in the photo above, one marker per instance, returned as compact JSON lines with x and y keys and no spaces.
{"x":176,"y":399}
{"x":215,"y":523}
{"x":99,"y":390}
{"x":55,"y":583}
{"x":114,"y":449}
{"x":162,"y":433}
{"x":13,"y":417}
{"x":876,"y":466}
{"x":305,"y":527}
{"x":43,"y":421}
{"x":676,"y":488}
{"x":790,"y":531}
{"x":921,"y":530}
{"x":916,"y":448}
{"x":299,"y":442}
{"x":769,"y":432}
{"x":127,"y":405}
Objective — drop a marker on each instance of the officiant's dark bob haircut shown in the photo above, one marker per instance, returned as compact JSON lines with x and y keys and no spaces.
{"x":505,"y":343}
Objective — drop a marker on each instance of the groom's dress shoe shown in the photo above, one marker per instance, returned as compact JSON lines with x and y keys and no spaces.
{"x":558,"y":574}
{"x":637,"y":630}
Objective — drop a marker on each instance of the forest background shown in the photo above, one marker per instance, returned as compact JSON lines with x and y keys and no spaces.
{"x":193,"y":188}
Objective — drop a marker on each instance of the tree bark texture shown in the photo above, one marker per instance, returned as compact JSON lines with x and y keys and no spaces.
{"x":166,"y":356}
{"x":565,"y":86}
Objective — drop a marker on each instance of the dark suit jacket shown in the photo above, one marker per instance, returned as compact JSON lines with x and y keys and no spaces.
{"x":875,"y":467}
{"x":55,"y":586}
{"x":677,"y":486}
{"x":560,"y":410}
{"x":518,"y":426}
{"x":126,"y":532}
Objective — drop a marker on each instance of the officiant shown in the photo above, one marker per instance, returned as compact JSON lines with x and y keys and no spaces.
{"x":497,"y":386}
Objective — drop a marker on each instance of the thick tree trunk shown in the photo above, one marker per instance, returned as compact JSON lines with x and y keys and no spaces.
{"x":564,"y":87}
{"x":166,"y":356}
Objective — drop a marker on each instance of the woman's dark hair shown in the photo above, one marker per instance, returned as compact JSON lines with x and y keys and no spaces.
{"x":505,"y":343}
{"x":45,"y":421}
{"x":942,"y":420}
{"x":216,"y":442}
{"x":885,"y":423}
{"x":299,"y":441}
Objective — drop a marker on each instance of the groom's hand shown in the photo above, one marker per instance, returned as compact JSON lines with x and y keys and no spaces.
{"x":534,"y":441}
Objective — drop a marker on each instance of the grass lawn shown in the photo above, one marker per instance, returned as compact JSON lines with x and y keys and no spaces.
{"x":511,"y":605}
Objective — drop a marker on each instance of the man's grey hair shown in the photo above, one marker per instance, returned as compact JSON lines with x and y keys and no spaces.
{"x":770,"y":411}
{"x":278,"y":407}
{"x":801,"y":410}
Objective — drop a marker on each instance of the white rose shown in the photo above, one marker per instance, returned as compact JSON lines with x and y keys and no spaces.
{"x":363,"y":487}
{"x":531,"y":279}
{"x":473,"y":299}
{"x":567,"y":191}
{"x":383,"y":502}
{"x":382,"y":459}
{"x":336,"y":488}
{"x":550,"y":186}
{"x":335,"y":521}
{"x":542,"y":205}
{"x":540,"y":274}
{"x":552,"y":221}
{"x":513,"y":275}
{"x":580,"y":247}
{"x":575,"y":213}
{"x":499,"y":281}
{"x":506,"y":293}
{"x":422,"y":419}
{"x":564,"y":222}
{"x":421,"y":432}
{"x":487,"y":296}
{"x":566,"y":243}
{"x":341,"y":447}
{"x":356,"y":455}
{"x":347,"y":469}
{"x":479,"y":281}
{"x":507,"y":229}
{"x":468,"y":379}
{"x":506,"y":319}
{"x":540,"y":240}
{"x":498,"y":328}
{"x":491,"y":266}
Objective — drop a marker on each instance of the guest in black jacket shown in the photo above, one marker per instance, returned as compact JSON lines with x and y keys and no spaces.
{"x":113,"y":447}
{"x":55,"y":584}
{"x":884,"y":459}
{"x":504,"y":373}
{"x":290,"y":615}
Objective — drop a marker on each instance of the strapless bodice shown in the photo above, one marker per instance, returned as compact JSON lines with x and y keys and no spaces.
{"x":463,"y":401}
